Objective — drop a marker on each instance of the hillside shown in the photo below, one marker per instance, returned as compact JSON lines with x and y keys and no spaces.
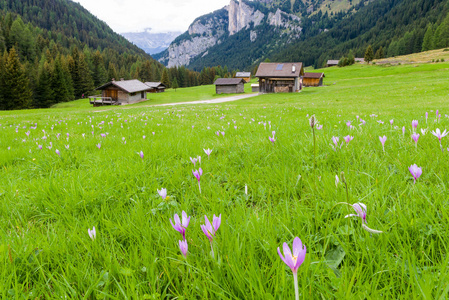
{"x":55,"y":50}
{"x":247,"y":32}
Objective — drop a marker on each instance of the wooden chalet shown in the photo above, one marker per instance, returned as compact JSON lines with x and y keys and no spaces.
{"x":120,"y":92}
{"x":332,"y":63}
{"x":280,"y":77}
{"x":156,"y":87}
{"x":229,"y":85}
{"x":313,"y":79}
{"x":245,"y":75}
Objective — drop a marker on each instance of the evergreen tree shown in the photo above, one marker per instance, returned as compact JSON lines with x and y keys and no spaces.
{"x":99,"y":71}
{"x":174,"y":84}
{"x":86,"y":84}
{"x":3,"y":58}
{"x":112,"y":72}
{"x":16,"y":92}
{"x":379,"y":53}
{"x":369,"y":55}
{"x":165,"y":79}
{"x":60,"y":83}
{"x":44,"y":93}
{"x":145,"y":72}
{"x":428,"y":43}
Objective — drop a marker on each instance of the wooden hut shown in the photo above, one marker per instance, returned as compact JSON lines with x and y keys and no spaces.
{"x":255,"y":87}
{"x":156,"y":87}
{"x":229,"y":85}
{"x":280,"y":77}
{"x":120,"y":92}
{"x":313,"y":79}
{"x":332,"y":63}
{"x":245,"y":75}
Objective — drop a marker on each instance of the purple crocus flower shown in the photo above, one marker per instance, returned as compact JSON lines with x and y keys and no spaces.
{"x":272,"y":139}
{"x":391,"y":122}
{"x":382,"y":140}
{"x":217,"y":133}
{"x":208,"y":152}
{"x":222,"y":133}
{"x":294,"y":259}
{"x":415,"y":124}
{"x":40,"y":147}
{"x":348,"y":123}
{"x":103,"y":135}
{"x":415,"y":137}
{"x":436,"y":113}
{"x":198,"y":174}
{"x":92,"y":233}
{"x":163,"y":193}
{"x":360,"y":209}
{"x":183,"y":247}
{"x":348,"y":138}
{"x":140,"y":154}
{"x":57,"y":152}
{"x":210,"y":229}
{"x":181,"y":226}
{"x":416,"y":172}
{"x":319,"y":127}
{"x":427,"y":115}
{"x":335,"y":140}
{"x":99,"y":145}
{"x":403,"y":130}
{"x":193,"y":160}
{"x":439,"y":135}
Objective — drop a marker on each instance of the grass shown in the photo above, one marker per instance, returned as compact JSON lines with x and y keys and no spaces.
{"x":48,"y":201}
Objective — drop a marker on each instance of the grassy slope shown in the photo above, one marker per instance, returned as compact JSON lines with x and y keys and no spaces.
{"x":48,"y":202}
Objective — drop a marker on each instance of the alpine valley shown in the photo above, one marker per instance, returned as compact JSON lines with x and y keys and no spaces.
{"x":244,"y":33}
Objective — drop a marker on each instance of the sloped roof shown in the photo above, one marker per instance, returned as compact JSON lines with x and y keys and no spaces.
{"x":155,"y":84}
{"x":129,"y":86}
{"x":332,"y":62}
{"x":243,"y":74}
{"x":291,"y":69}
{"x":228,"y":81}
{"x":313,"y":75}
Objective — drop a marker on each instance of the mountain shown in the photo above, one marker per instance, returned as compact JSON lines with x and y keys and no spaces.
{"x":59,"y":51}
{"x":244,"y":33}
{"x":151,"y":43}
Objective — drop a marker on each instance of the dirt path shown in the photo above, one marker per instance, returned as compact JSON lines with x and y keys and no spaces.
{"x":211,"y":101}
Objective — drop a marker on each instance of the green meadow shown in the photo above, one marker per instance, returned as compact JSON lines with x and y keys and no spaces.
{"x":49,"y":201}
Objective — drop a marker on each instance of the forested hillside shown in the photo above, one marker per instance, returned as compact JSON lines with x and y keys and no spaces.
{"x":398,"y":26}
{"x":54,"y":51}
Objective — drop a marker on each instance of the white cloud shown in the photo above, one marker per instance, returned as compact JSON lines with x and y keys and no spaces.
{"x":160,"y":15}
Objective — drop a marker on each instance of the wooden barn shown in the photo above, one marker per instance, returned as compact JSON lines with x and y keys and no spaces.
{"x":156,"y":87}
{"x":245,"y":75}
{"x":332,"y":63}
{"x":120,"y":92}
{"x":313,"y":79}
{"x":229,"y":85}
{"x":280,"y":77}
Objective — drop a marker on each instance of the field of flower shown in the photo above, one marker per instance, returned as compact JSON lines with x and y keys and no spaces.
{"x":267,"y":180}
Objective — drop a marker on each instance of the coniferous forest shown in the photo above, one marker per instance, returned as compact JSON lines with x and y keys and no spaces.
{"x":55,"y":51}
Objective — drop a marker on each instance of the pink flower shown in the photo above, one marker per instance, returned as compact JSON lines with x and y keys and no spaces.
{"x":163,"y":193}
{"x":183,"y":247}
{"x":415,"y":124}
{"x":348,"y":138}
{"x":416,"y":172}
{"x":439,"y":135}
{"x":272,"y":139}
{"x":382,"y":140}
{"x":210,"y":229}
{"x":295,"y":258}
{"x":181,"y":226}
{"x":360,"y":209}
{"x":415,"y":137}
{"x":197,"y":175}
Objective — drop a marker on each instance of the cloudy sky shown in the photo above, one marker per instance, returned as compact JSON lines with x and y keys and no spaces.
{"x":160,"y":15}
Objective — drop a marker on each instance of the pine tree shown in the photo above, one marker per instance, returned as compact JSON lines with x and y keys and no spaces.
{"x":174,"y":84}
{"x":16,"y":92}
{"x":379,"y":53}
{"x":165,"y":79}
{"x":99,"y":73}
{"x":59,"y":83}
{"x":3,"y":58}
{"x":112,"y":72}
{"x":44,"y":93}
{"x":86,"y":83}
{"x":428,"y":43}
{"x":369,"y":55}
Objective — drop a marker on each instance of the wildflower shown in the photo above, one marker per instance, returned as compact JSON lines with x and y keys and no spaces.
{"x":391,"y":122}
{"x":222,"y":133}
{"x":208,"y":152}
{"x":163,"y":193}
{"x":416,"y":172}
{"x":294,"y":260}
{"x":183,"y":247}
{"x":348,"y":138}
{"x":181,"y":226}
{"x":210,"y":229}
{"x":423,"y":131}
{"x":67,"y":147}
{"x":319,"y":127}
{"x":193,"y":160}
{"x":198,"y":174}
{"x":272,"y":139}
{"x":415,"y":124}
{"x":348,"y":123}
{"x":40,"y":147}
{"x":427,"y":115}
{"x":360,"y":208}
{"x":382,"y":140}
{"x":415,"y":137}
{"x":99,"y":145}
{"x":335,"y":139}
{"x":403,"y":130}
{"x":92,"y":233}
{"x":438,"y":134}
{"x":57,"y":152}
{"x":337,"y":180}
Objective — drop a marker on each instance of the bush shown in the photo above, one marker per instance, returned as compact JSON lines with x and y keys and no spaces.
{"x":442,"y":59}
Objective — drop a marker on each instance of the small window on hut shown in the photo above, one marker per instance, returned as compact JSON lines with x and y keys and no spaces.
{"x":133,"y":94}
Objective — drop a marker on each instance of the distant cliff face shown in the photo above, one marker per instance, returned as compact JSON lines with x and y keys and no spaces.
{"x":212,"y":29}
